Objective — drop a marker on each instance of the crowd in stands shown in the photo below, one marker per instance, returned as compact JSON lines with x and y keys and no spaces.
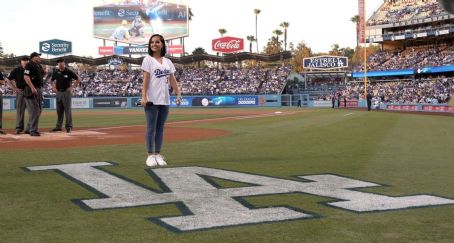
{"x":424,"y":91}
{"x":213,"y":81}
{"x":192,"y":81}
{"x":393,"y":11}
{"x":411,"y":58}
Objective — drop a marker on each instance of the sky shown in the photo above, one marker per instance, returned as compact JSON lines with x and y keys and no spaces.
{"x":320,"y":23}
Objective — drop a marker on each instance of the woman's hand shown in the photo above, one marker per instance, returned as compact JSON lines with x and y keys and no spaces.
{"x":178,"y":100}
{"x":144,"y":101}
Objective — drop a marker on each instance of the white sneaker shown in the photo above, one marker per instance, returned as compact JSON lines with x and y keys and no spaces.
{"x":151,"y":160}
{"x":160,"y":160}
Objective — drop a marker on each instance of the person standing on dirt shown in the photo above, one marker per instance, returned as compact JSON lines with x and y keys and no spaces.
{"x":2,"y":82}
{"x":17,"y":83}
{"x":34,"y":78}
{"x":158,"y":76}
{"x":64,"y":88}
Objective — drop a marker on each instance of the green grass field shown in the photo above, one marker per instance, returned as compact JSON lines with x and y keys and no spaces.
{"x":411,"y":154}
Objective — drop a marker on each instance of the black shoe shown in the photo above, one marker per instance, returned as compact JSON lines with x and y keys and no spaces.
{"x":56,"y":130}
{"x":27,"y":132}
{"x":18,"y":131}
{"x":69,"y":130}
{"x":2,"y":132}
{"x":35,"y":134}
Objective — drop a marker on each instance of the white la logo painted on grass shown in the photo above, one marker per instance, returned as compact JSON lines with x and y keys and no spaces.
{"x":205,"y":206}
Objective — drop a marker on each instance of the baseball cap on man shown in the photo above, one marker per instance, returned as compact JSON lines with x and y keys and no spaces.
{"x":34,"y":54}
{"x":25,"y":58}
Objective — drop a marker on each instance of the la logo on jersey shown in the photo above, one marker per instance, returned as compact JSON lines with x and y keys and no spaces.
{"x":205,"y":205}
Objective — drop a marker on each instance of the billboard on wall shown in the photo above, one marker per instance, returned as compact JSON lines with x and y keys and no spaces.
{"x":110,"y":102}
{"x":322,"y":103}
{"x":134,"y":22}
{"x":6,"y":104}
{"x":225,"y":101}
{"x":80,"y":103}
{"x":438,"y":108}
{"x":402,"y":107}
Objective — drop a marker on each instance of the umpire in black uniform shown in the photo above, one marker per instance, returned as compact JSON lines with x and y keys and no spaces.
{"x":369,"y":100}
{"x":33,"y":75}
{"x":17,"y":75}
{"x":63,"y":87}
{"x":2,"y":81}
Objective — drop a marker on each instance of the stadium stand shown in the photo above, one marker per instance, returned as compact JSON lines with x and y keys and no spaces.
{"x":394,"y":11}
{"x":193,"y":81}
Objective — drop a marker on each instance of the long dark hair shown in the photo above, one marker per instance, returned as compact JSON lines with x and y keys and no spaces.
{"x":164,"y":48}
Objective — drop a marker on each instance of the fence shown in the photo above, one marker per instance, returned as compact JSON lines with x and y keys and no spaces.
{"x":299,"y":100}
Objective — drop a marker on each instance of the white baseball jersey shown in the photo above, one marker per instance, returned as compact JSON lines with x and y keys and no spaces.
{"x":158,"y":89}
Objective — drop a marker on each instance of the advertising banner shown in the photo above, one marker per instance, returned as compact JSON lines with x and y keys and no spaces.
{"x":55,"y":47}
{"x":80,"y":103}
{"x":175,"y":49}
{"x":6,"y":104}
{"x":322,"y":103}
{"x":350,"y":103}
{"x":402,"y":107}
{"x":110,"y":102}
{"x":135,"y":50}
{"x":136,"y":102}
{"x":225,"y":101}
{"x":185,"y":102}
{"x":438,"y":108}
{"x":47,"y":104}
{"x":105,"y":50}
{"x":228,"y":44}
{"x":361,"y":20}
{"x":325,"y":62}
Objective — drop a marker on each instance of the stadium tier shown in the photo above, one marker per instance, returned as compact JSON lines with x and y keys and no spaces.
{"x":412,"y":35}
{"x":193,"y":81}
{"x":395,"y":11}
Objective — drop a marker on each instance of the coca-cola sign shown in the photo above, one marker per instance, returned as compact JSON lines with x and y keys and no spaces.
{"x":228,"y":44}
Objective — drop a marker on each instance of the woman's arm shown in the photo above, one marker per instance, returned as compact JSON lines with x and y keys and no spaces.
{"x":146,"y":83}
{"x":173,"y":83}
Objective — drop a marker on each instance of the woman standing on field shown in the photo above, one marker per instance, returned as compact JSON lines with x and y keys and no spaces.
{"x":158,"y":76}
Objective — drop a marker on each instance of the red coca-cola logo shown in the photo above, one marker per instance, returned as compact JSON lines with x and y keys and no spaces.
{"x":228,"y":44}
{"x":105,"y":50}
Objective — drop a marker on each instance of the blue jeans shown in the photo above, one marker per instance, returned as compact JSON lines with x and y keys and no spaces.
{"x":156,"y":116}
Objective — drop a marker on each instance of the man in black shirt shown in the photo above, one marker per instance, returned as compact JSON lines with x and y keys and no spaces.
{"x":338,"y":100}
{"x":17,"y":83}
{"x":33,"y":75}
{"x":333,"y":100}
{"x":1,"y":104}
{"x":63,"y":87}
{"x":369,"y":100}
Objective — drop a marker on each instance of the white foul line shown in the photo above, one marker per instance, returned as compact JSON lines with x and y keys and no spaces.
{"x":201,"y":120}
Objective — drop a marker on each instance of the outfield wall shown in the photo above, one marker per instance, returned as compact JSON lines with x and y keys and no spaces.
{"x":9,"y":103}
